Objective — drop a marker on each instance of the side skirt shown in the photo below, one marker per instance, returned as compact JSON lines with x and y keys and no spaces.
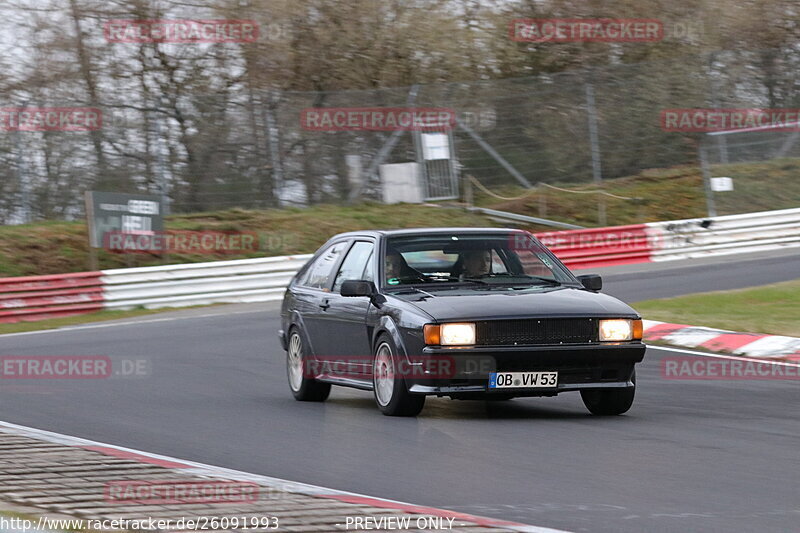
{"x":346,"y":382}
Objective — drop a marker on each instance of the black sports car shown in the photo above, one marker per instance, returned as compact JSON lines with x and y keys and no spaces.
{"x":466,"y":313}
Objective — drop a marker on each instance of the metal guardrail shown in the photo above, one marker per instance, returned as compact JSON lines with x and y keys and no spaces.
{"x":264,"y":279}
{"x":38,"y":297}
{"x":505,"y":216}
{"x":247,"y":280}
{"x":704,"y":237}
{"x":599,"y":247}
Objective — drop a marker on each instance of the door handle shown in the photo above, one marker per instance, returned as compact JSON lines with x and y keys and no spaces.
{"x":324,"y":305}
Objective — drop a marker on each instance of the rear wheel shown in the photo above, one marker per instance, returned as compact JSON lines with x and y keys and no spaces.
{"x":304,"y":388}
{"x":609,"y":402}
{"x":389,"y":387}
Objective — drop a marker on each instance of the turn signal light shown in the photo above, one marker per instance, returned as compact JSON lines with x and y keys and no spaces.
{"x":638,"y":330}
{"x":432,"y":334}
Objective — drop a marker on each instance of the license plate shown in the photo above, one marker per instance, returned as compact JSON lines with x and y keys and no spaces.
{"x":523,"y":380}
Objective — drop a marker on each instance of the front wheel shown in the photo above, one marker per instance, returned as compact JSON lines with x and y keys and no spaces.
{"x":388,"y":385}
{"x":304,"y":388}
{"x":609,"y":402}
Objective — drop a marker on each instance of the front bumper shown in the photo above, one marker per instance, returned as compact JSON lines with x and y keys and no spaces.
{"x":483,"y":390}
{"x":579,"y":367}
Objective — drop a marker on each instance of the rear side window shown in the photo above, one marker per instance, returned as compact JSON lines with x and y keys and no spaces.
{"x":354,"y":264}
{"x":320,"y":270}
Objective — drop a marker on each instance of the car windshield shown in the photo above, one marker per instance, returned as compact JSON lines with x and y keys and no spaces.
{"x":510,"y":259}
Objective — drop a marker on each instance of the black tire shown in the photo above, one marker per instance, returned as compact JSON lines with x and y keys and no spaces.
{"x":304,"y":389}
{"x":394,"y":400}
{"x":609,"y":402}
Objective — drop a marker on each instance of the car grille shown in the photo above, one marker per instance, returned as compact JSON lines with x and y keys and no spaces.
{"x":536,"y":331}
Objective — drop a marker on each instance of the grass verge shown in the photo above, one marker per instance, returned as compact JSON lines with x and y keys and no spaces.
{"x":770,"y":309}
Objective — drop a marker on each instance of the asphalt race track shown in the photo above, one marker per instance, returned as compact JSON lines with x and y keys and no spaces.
{"x":690,"y":455}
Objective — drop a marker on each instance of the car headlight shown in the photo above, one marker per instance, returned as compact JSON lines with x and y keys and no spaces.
{"x":620,"y":329}
{"x":461,"y":334}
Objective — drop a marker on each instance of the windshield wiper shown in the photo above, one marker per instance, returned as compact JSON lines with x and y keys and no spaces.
{"x":452,"y":279}
{"x":475,"y":280}
{"x":402,"y":281}
{"x":402,"y":288}
{"x":409,"y":289}
{"x":550,"y":281}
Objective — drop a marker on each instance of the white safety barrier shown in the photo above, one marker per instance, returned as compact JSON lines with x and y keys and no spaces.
{"x":732,"y":234}
{"x":242,"y":281}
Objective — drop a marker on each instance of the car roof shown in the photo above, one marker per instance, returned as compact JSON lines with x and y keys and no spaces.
{"x":423,"y":231}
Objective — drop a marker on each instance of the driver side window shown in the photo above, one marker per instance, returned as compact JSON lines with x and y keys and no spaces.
{"x":354,"y":264}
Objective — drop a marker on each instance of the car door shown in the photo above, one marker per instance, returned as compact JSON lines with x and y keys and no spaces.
{"x":345,"y":323}
{"x":311,"y":293}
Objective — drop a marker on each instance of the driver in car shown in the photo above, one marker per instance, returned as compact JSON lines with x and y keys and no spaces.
{"x":475,"y":263}
{"x":398,"y":271}
{"x":394,"y":264}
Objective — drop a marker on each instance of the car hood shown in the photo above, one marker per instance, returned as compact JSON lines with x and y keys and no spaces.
{"x":482,"y":304}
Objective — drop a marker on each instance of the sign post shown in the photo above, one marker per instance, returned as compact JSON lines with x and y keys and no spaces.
{"x":722,"y":184}
{"x":137,"y":214}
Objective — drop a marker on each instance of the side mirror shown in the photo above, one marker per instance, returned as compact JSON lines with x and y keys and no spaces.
{"x":592,"y":282}
{"x":356,"y":287}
